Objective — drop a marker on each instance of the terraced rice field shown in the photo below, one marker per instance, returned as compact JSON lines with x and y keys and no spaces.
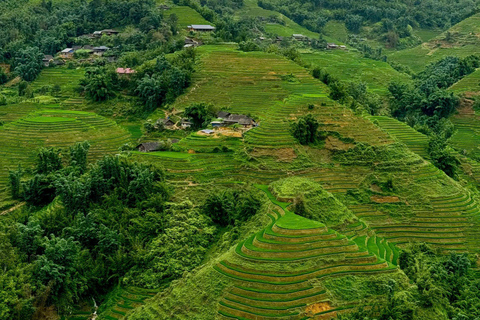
{"x":20,"y":139}
{"x":465,"y":42}
{"x":467,"y":134}
{"x":127,"y":299}
{"x":266,"y":285}
{"x":67,"y":79}
{"x":251,"y":83}
{"x":186,"y":16}
{"x":470,"y":83}
{"x":286,"y":29}
{"x":403,"y":133}
{"x":183,"y":168}
{"x":351,"y":66}
{"x":447,"y":224}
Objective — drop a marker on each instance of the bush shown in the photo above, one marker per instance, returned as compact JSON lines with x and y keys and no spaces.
{"x":224,"y":207}
{"x":305,"y":129}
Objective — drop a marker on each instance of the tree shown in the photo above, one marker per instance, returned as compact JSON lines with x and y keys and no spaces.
{"x":3,"y":76}
{"x":441,"y":157}
{"x":198,"y":114}
{"x":28,"y":63}
{"x":224,"y":207}
{"x":14,"y":178}
{"x":78,"y":156}
{"x":338,"y":91}
{"x":353,"y":22}
{"x":305,"y":129}
{"x":151,"y":91}
{"x":48,"y":160}
{"x":99,"y":83}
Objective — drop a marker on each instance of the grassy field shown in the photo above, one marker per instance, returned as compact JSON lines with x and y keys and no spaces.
{"x":470,"y":83}
{"x":285,"y":29}
{"x":260,"y":292}
{"x":20,"y":139}
{"x":351,"y":66}
{"x":463,"y":41}
{"x":186,"y":16}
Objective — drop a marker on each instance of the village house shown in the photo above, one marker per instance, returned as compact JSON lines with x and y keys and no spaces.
{"x":223,"y":114}
{"x":47,"y":59}
{"x":165,"y":123}
{"x":124,"y":72}
{"x":332,"y":46}
{"x":207,"y":131}
{"x":299,"y":37}
{"x":97,"y":34}
{"x":67,"y":53}
{"x":278,"y":39}
{"x":201,"y":28}
{"x":99,"y":51}
{"x":226,"y":119}
{"x":109,"y":32}
{"x":163,"y":7}
{"x":185,"y":123}
{"x":148,"y":147}
{"x":191,"y":43}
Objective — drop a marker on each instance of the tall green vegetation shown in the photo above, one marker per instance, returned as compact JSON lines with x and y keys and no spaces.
{"x":165,"y":80}
{"x":199,"y":114}
{"x":393,"y":22}
{"x":99,"y":83}
{"x":445,"y":286}
{"x":28,"y":63}
{"x":99,"y":224}
{"x":227,"y":207}
{"x":305,"y":130}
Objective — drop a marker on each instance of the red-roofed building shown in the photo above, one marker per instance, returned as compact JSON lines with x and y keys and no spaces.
{"x":125,"y":71}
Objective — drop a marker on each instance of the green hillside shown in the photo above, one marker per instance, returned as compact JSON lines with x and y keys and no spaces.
{"x":150,"y":172}
{"x":460,"y":40}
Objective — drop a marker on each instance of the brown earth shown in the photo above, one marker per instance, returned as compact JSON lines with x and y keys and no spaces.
{"x":315,"y":308}
{"x":384,"y":199}
{"x":334,"y":144}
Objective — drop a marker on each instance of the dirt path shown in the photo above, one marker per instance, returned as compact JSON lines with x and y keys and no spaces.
{"x":21,"y":204}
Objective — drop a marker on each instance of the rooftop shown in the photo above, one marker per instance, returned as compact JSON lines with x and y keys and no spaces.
{"x":202,"y":26}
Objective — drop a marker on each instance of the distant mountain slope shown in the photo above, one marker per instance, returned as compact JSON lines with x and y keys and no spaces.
{"x":461,"y":40}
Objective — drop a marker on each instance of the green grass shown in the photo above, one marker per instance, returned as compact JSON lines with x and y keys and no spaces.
{"x":336,"y":30}
{"x":186,"y":16}
{"x":286,"y":29}
{"x":464,"y":42}
{"x":470,"y":83}
{"x":49,"y":119}
{"x":351,"y":66}
{"x":67,"y":79}
{"x":20,"y":139}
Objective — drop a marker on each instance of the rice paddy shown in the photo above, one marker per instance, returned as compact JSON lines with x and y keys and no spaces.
{"x":20,"y":139}
{"x":261,"y":291}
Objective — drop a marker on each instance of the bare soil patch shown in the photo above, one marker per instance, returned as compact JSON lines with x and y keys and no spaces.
{"x":335,"y":144}
{"x":315,"y":308}
{"x":384,"y":199}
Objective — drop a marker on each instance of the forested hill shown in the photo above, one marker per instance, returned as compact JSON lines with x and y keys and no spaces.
{"x":239,"y":159}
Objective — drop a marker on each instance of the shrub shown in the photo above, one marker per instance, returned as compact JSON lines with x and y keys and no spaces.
{"x":305,"y":129}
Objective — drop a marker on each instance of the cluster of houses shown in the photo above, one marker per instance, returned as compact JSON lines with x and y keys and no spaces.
{"x":224,"y":119}
{"x":68,"y":53}
{"x":333,"y":46}
{"x":99,"y":34}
